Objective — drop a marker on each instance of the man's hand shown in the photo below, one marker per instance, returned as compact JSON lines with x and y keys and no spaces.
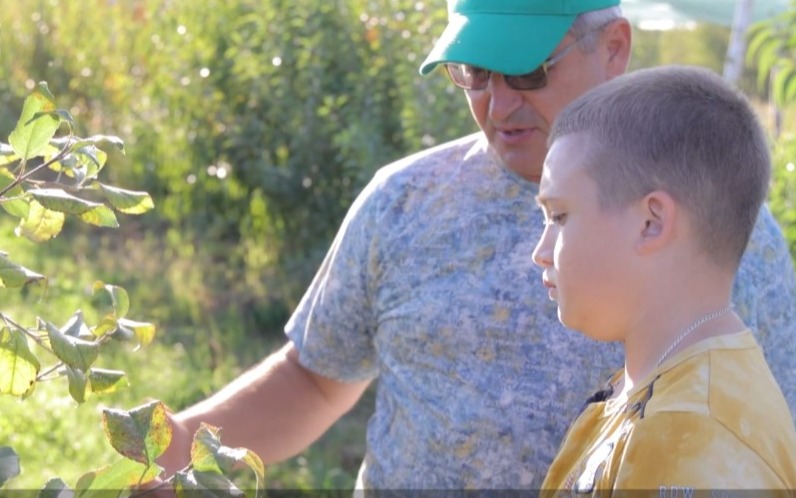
{"x":178,"y":455}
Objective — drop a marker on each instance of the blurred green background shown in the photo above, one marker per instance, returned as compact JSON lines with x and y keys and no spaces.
{"x":253,"y":124}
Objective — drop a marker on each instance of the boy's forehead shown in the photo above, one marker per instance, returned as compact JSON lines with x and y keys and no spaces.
{"x":566,"y":158}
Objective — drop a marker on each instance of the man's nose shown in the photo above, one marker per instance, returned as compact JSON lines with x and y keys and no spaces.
{"x":503,"y":100}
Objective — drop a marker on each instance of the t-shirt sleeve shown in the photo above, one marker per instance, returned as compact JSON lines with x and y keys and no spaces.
{"x":764,"y":295}
{"x":684,"y":452}
{"x":333,"y":325}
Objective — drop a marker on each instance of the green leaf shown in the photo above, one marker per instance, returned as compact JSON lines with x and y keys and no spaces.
{"x":13,"y":201}
{"x":81,"y":165}
{"x":143,"y":332}
{"x":63,"y":202}
{"x":209,"y":455}
{"x":76,"y":326}
{"x":757,"y":34}
{"x":790,"y":89}
{"x":37,"y":124}
{"x":127,"y":201}
{"x":105,"y":141}
{"x":195,"y":484}
{"x":102,"y":381}
{"x":119,"y":298}
{"x":142,"y":434}
{"x":41,"y":224}
{"x":15,"y":276}
{"x":75,"y":352}
{"x":785,"y":74}
{"x":98,"y":381}
{"x":77,"y":384}
{"x":769,"y":54}
{"x":121,"y":475}
{"x":55,"y":488}
{"x":18,"y":365}
{"x":9,"y":464}
{"x":84,"y":157}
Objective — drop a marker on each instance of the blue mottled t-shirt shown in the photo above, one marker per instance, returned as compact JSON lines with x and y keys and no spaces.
{"x":429,"y":286}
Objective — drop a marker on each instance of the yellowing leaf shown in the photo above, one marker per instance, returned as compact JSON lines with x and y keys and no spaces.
{"x":103,"y":381}
{"x":208,"y":455}
{"x":101,"y":216}
{"x":128,"y":201}
{"x":18,"y":365}
{"x":142,"y":434}
{"x":41,"y":224}
{"x":106,"y":325}
{"x":143,"y":332}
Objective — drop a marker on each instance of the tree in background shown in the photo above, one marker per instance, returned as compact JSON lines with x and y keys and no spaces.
{"x":772,"y":46}
{"x":253,"y":123}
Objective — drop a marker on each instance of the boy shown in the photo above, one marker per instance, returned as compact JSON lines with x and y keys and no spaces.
{"x":650,"y":190}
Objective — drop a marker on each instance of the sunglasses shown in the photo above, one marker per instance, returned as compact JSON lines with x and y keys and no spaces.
{"x":476,"y":78}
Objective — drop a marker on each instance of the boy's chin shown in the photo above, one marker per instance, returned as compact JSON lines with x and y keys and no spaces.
{"x":582,"y":328}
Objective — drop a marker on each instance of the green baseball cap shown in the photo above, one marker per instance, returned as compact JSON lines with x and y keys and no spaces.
{"x":506,"y":36}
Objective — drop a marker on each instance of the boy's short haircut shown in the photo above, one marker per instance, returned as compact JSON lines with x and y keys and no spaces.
{"x":683,"y":130}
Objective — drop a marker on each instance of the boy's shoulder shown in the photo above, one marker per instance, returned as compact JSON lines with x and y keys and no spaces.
{"x":721,"y":398}
{"x":724,"y":377}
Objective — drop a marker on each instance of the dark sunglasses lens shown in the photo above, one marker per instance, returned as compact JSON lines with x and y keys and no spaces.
{"x":529,"y":81}
{"x":469,"y":77}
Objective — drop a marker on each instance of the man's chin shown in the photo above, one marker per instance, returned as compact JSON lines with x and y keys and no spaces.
{"x":519,"y":163}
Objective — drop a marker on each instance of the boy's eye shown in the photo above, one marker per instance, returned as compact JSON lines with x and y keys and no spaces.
{"x":558,"y":218}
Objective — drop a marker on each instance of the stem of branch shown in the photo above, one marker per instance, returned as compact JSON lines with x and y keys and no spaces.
{"x":21,"y":178}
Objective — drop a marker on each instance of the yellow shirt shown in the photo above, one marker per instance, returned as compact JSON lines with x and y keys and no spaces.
{"x":711,"y":418}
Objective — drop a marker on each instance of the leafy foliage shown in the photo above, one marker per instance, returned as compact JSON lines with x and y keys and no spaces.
{"x":42,"y":203}
{"x":773,"y":46}
{"x":782,"y":198}
{"x":277,"y":110}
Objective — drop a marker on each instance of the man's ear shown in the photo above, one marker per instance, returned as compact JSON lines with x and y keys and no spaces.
{"x":658,"y":217}
{"x":617,"y":39}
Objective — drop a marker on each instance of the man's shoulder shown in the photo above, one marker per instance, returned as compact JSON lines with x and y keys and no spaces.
{"x":435,"y":160}
{"x":767,"y":257}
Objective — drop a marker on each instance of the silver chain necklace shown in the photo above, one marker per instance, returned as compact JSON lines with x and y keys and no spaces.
{"x":691,"y":328}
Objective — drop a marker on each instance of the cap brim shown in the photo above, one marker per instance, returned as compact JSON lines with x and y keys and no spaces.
{"x":507,"y":44}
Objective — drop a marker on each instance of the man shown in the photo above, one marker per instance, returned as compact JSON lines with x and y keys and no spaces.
{"x":429,"y":285}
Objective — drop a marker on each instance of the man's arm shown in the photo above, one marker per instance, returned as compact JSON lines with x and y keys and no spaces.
{"x":276,"y":409}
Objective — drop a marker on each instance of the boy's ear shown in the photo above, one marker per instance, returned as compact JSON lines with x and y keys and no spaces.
{"x":658,"y":212}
